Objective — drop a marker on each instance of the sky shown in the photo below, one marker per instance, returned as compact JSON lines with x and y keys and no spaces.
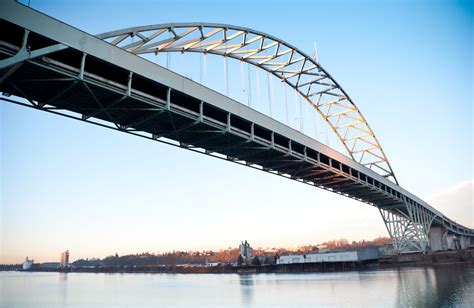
{"x":406,"y":64}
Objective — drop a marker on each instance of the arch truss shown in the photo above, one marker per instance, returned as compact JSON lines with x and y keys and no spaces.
{"x":292,"y":66}
{"x":408,"y":229}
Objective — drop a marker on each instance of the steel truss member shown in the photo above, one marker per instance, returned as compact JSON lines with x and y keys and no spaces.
{"x":291,"y":65}
{"x":409,"y":232}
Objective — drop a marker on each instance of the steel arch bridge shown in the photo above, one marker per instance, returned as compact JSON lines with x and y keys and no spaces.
{"x":286,"y":62}
{"x":53,"y":67}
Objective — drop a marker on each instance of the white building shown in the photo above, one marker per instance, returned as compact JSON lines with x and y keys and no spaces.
{"x":27,"y":264}
{"x":64,"y":259}
{"x":343,"y":256}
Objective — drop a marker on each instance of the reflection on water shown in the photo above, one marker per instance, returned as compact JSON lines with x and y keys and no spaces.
{"x":246,"y":288}
{"x":62,"y":289}
{"x":442,"y":287}
{"x":411,"y":287}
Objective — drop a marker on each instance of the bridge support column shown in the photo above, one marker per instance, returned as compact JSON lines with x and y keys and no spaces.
{"x":407,"y":235}
{"x":437,"y":236}
{"x":450,"y":241}
{"x":441,"y":239}
{"x":409,"y":227}
{"x":466,"y":241}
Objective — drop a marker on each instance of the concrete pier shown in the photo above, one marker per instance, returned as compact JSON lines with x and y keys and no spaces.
{"x":440,"y":239}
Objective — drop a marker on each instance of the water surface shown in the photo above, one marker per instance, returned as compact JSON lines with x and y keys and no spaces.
{"x":411,"y":287}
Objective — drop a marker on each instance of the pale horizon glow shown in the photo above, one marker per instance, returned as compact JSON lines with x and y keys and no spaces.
{"x":69,"y":185}
{"x":456,"y":202}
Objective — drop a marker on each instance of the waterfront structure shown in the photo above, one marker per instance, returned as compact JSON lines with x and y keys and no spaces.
{"x":246,"y":252}
{"x":323,"y":248}
{"x":340,"y":256}
{"x":27,"y":264}
{"x":50,"y":265}
{"x":64,"y":260}
{"x":209,"y":264}
{"x":102,"y":80}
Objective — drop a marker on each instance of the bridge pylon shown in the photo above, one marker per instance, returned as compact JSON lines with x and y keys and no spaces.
{"x":409,"y":229}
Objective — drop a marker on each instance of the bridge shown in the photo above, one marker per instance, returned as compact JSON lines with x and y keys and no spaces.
{"x":107,"y":80}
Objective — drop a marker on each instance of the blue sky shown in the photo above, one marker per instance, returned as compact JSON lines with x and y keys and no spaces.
{"x":407,"y":64}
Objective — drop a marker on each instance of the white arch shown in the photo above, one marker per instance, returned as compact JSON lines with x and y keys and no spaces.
{"x":286,"y":62}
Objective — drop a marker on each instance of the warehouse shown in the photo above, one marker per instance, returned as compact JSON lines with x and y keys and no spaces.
{"x":340,"y":256}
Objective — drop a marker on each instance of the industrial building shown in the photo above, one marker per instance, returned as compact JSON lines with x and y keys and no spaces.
{"x":246,"y":252}
{"x":64,"y":261}
{"x":341,"y":256}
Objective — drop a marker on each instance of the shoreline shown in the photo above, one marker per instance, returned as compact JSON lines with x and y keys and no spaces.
{"x":248,"y":271}
{"x":432,"y":259}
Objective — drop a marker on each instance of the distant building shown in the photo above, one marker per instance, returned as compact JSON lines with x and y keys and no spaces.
{"x":323,"y":248}
{"x":264,"y":260}
{"x":27,"y":264}
{"x":212,"y":264}
{"x":342,"y":256}
{"x":49,"y":265}
{"x":64,"y":259}
{"x":246,"y":252}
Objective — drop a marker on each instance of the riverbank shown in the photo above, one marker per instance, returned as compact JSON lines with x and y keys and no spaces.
{"x":440,"y":258}
{"x":463,"y":256}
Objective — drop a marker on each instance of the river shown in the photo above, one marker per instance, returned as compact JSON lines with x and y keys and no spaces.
{"x":408,"y":287}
